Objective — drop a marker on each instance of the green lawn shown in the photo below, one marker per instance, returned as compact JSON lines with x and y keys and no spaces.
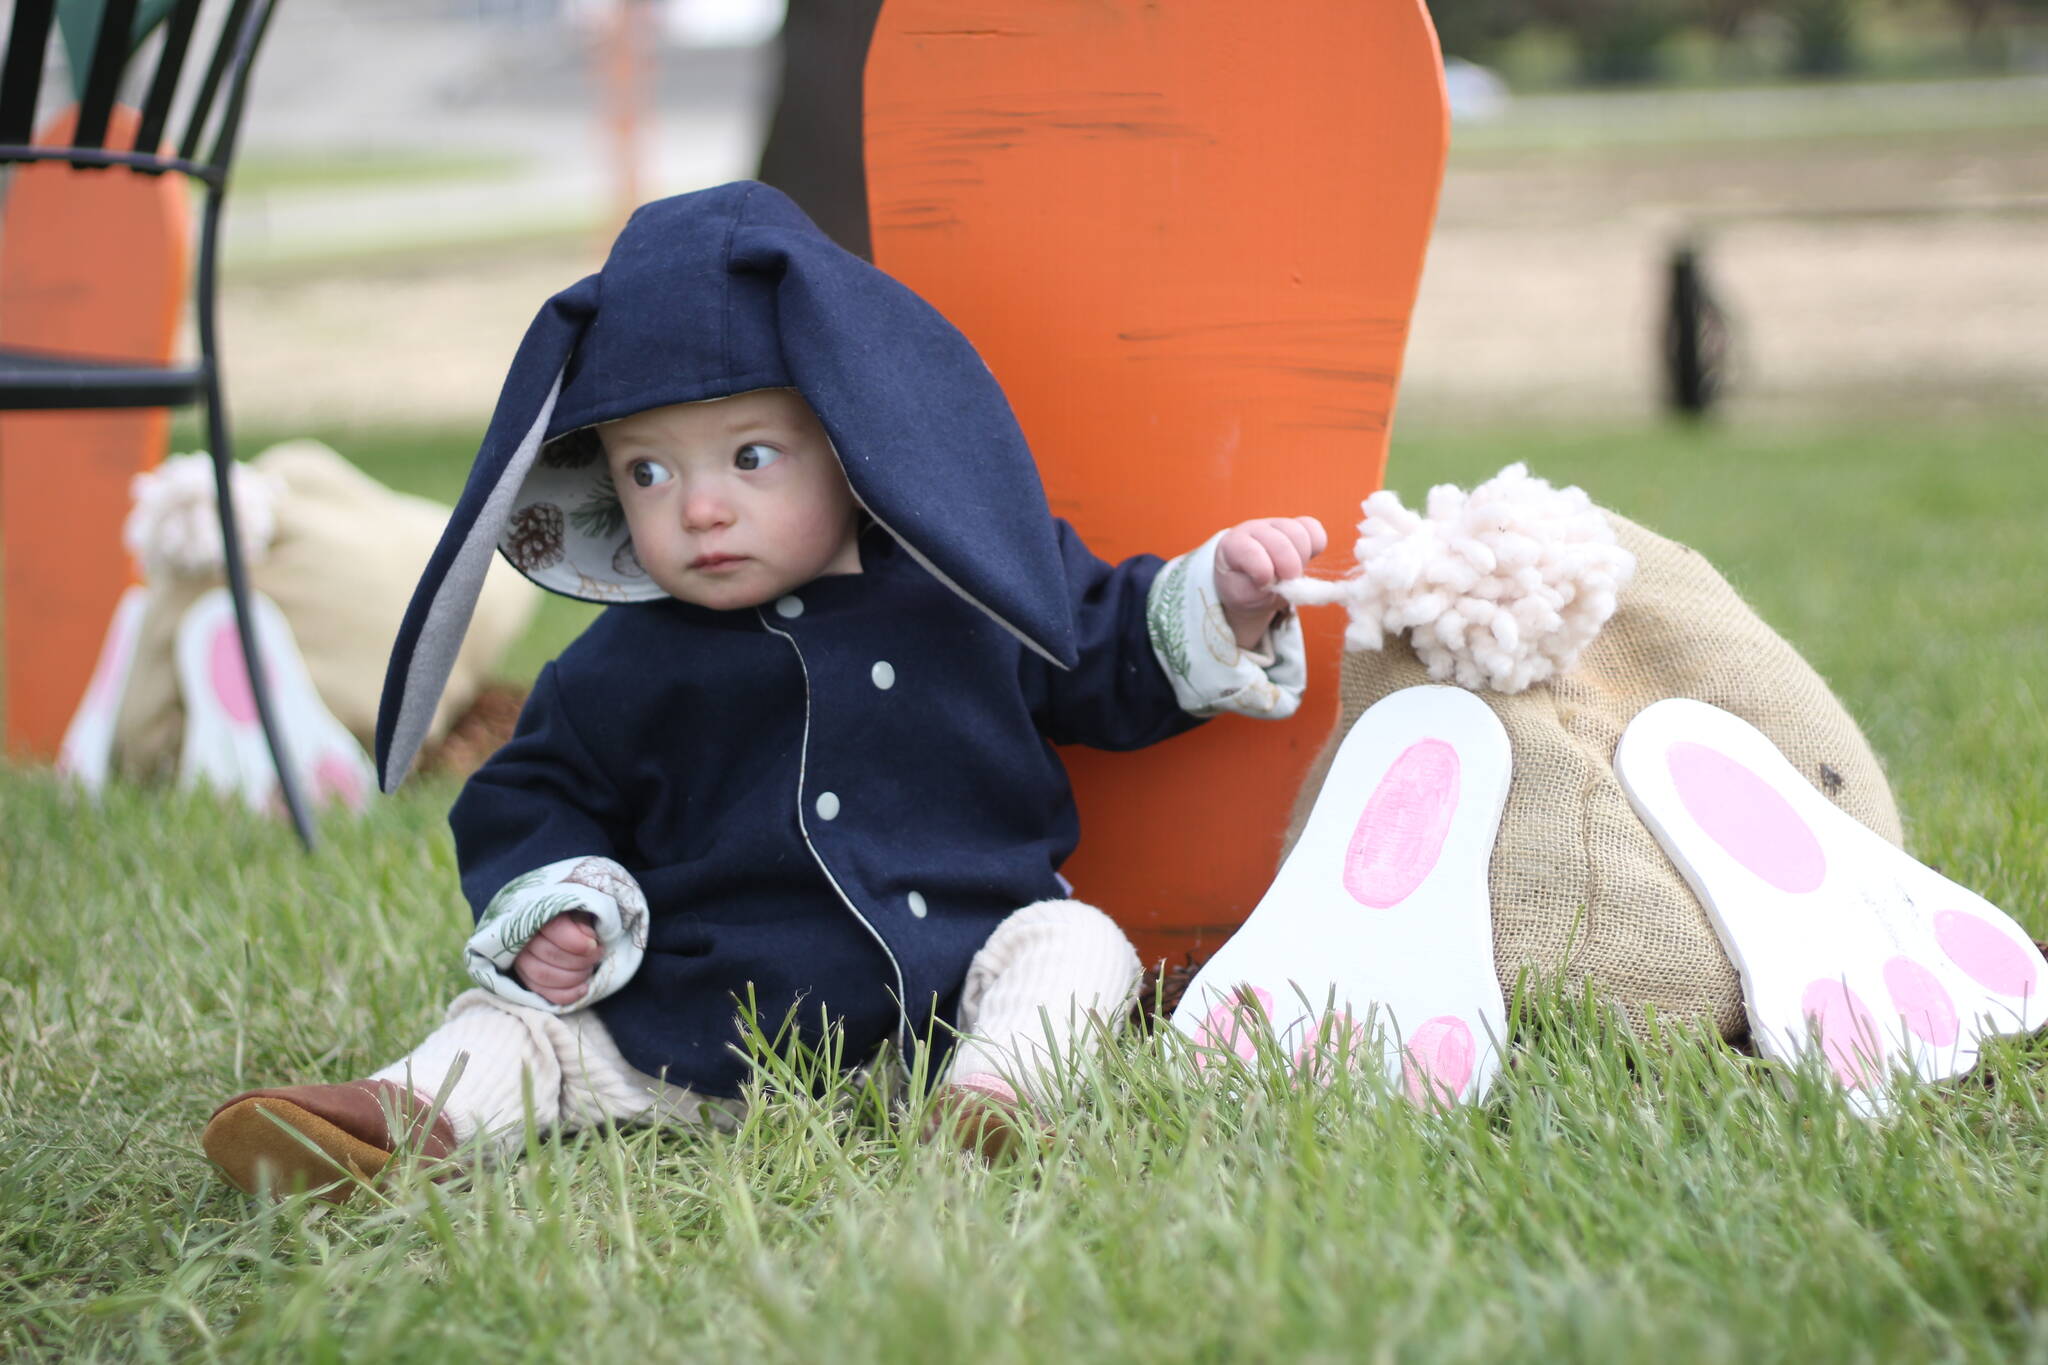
{"x":301,"y":171}
{"x":1797,"y":119}
{"x":1615,"y":1200}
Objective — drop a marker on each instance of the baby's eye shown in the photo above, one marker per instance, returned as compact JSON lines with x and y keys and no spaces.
{"x":646,"y":473}
{"x":755,"y":456}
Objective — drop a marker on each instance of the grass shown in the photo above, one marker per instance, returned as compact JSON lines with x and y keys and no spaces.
{"x":1791,"y":120}
{"x":424,"y":245}
{"x":331,"y":169}
{"x":1616,"y":1199}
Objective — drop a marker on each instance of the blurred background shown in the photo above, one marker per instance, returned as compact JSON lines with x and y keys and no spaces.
{"x":1866,"y":182}
{"x":1852,"y":196}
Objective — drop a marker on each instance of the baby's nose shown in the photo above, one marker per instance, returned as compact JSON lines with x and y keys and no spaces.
{"x":703,"y":509}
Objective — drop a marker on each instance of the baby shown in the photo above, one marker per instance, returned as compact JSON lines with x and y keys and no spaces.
{"x":805,"y":766}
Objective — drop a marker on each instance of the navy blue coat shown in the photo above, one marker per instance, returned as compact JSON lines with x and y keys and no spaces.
{"x":695,"y":747}
{"x":726,"y":291}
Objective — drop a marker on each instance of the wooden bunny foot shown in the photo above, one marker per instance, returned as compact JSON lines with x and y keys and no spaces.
{"x":224,"y":744}
{"x":86,"y":754}
{"x":1376,"y":938}
{"x":1844,"y":943}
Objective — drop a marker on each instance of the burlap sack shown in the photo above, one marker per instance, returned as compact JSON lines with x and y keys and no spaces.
{"x":1581,"y":890}
{"x":341,"y":566}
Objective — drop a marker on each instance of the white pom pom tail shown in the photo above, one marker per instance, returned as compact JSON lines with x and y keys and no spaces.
{"x":1314,"y":592}
{"x":173,"y":526}
{"x":1499,"y":589}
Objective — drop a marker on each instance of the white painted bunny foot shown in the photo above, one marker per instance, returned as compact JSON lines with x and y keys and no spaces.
{"x":224,"y":744}
{"x":1377,"y":934}
{"x":88,"y":746}
{"x":1844,"y":943}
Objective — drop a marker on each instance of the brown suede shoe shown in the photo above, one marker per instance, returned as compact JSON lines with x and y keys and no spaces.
{"x":981,"y":1114}
{"x":344,"y":1124}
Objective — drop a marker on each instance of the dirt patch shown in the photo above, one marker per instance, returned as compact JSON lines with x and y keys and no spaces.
{"x":1856,"y":274}
{"x":1852,"y":315}
{"x":376,"y":347}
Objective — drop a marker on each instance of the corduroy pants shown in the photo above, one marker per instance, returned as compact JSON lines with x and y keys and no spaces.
{"x":1051,"y":978}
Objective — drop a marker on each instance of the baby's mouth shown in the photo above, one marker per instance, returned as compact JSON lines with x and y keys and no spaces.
{"x":714,"y":562}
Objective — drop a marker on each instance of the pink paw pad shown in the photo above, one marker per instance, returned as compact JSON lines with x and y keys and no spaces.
{"x":1991,"y":958}
{"x":1337,"y":1040}
{"x":987,"y":1083}
{"x":337,"y":779}
{"x":1231,"y":1026}
{"x":1921,"y":1000}
{"x":1747,"y":817}
{"x":1401,"y":832}
{"x":1848,"y":1035}
{"x":230,"y":678}
{"x":1436,"y":1064}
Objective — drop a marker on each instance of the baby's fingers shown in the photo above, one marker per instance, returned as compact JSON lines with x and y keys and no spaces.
{"x":1287,"y":549}
{"x":546,"y":956}
{"x":1244,"y":554}
{"x":1304,"y":534}
{"x":556,"y":989}
{"x":577,"y":953}
{"x":542,"y":978}
{"x":571,"y":933}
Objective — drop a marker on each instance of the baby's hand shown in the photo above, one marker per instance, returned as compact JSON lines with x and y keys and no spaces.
{"x":1251,"y":558}
{"x":556,"y":963}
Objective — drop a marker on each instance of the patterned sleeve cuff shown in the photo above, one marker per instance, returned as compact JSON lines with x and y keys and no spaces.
{"x":1199,"y":652}
{"x":597,"y":886}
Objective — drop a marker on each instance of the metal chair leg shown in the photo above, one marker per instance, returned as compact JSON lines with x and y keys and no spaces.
{"x":259,"y":684}
{"x":222,"y":449}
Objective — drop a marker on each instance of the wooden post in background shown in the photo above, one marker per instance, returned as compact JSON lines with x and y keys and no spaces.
{"x":1188,"y":239}
{"x":622,"y":77}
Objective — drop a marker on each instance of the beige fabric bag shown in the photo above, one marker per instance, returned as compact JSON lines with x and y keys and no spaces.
{"x":1581,"y":890}
{"x":341,"y":564}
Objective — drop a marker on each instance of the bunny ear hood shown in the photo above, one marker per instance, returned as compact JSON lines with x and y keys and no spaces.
{"x":707,"y":295}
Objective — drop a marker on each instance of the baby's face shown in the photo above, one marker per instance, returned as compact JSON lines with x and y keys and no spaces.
{"x":735,"y":501}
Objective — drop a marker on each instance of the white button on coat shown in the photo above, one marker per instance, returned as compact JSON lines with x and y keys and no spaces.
{"x":789,"y":607}
{"x":828,"y":806}
{"x":917,"y":905}
{"x":884,"y":675}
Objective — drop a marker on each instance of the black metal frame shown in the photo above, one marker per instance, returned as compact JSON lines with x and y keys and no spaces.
{"x":46,"y":380}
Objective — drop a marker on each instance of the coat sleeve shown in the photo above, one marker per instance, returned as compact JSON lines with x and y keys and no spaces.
{"x":1210,"y":672}
{"x":1117,"y":696}
{"x":540,"y":831}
